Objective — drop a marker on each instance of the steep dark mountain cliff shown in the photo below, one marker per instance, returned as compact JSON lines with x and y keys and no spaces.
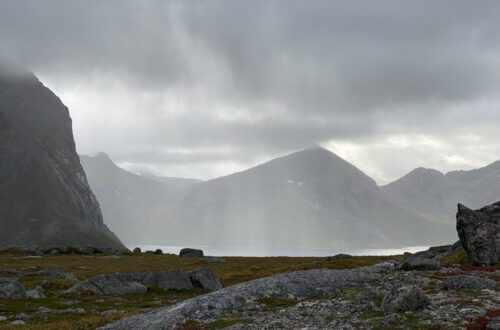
{"x":44,"y":196}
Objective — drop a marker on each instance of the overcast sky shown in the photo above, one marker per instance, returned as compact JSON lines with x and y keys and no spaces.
{"x":206,"y":88}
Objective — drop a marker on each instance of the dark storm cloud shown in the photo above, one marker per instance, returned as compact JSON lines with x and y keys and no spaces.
{"x":299,"y":72}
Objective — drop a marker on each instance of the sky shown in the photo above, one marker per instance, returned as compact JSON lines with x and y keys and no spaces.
{"x":198,"y":88}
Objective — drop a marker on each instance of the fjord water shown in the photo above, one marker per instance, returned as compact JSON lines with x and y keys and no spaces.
{"x":263,"y":251}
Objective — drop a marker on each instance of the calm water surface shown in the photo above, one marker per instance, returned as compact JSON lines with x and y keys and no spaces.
{"x":260,"y":251}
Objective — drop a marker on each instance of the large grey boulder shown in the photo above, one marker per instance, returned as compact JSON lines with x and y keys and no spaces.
{"x":468,"y":282}
{"x":111,"y":284}
{"x":205,"y":279}
{"x":118,"y":284}
{"x":188,"y":252}
{"x":479,"y":232}
{"x":10,"y":288}
{"x":45,"y":199}
{"x":403,"y":299}
{"x":174,"y":279}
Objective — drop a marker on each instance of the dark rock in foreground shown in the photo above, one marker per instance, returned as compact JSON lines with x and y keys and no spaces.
{"x":11,"y":289}
{"x":297,"y":285}
{"x":403,"y":299}
{"x":205,"y":278}
{"x":468,"y":282}
{"x":188,"y":252}
{"x":479,"y":233}
{"x":45,"y":199}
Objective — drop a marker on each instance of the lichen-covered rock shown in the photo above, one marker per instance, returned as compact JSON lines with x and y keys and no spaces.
{"x":174,"y":279}
{"x":188,"y":252}
{"x":419,"y":263}
{"x":468,"y":282}
{"x":479,"y":233}
{"x":110,"y":284}
{"x":205,"y":279}
{"x":403,"y":299}
{"x":10,"y":288}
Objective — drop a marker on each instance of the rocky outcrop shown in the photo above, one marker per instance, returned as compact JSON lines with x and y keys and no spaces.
{"x":118,"y":284}
{"x":205,"y":279}
{"x":10,"y":288}
{"x":403,"y":299}
{"x":468,"y":282}
{"x":174,"y":279}
{"x":295,"y":285}
{"x":188,"y":252}
{"x":420,"y":263}
{"x":45,"y":199}
{"x":36,"y":293}
{"x":111,"y":284}
{"x":479,"y":233}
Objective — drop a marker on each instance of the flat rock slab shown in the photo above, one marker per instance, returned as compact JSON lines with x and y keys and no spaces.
{"x":468,"y":282}
{"x":294,"y":285}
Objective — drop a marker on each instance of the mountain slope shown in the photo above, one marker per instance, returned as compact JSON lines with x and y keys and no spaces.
{"x":45,"y":199}
{"x":436,"y":195}
{"x":309,"y":198}
{"x":132,"y":205}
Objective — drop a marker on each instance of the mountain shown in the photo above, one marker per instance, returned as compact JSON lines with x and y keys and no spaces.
{"x":435,"y":195}
{"x":309,"y":198}
{"x":45,"y":199}
{"x":132,"y":205}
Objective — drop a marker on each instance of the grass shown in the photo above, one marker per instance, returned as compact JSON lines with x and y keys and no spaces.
{"x":224,"y":323}
{"x":457,"y":258}
{"x":234,"y":270}
{"x":276,"y":303}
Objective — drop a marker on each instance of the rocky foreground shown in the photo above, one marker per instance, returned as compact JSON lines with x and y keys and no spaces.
{"x":378,"y":296}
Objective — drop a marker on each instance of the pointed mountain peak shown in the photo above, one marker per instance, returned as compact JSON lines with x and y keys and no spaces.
{"x":421,"y":171}
{"x":103,"y":156}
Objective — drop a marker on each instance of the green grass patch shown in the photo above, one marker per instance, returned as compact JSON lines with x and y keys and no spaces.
{"x":371,"y":314}
{"x":224,"y":323}
{"x":457,"y":258}
{"x":276,"y":303}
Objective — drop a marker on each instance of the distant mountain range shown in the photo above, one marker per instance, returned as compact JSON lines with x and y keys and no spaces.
{"x":309,"y":198}
{"x":435,"y":195}
{"x":133,"y":205}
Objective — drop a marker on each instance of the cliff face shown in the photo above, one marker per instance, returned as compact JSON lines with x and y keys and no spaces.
{"x":45,"y":199}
